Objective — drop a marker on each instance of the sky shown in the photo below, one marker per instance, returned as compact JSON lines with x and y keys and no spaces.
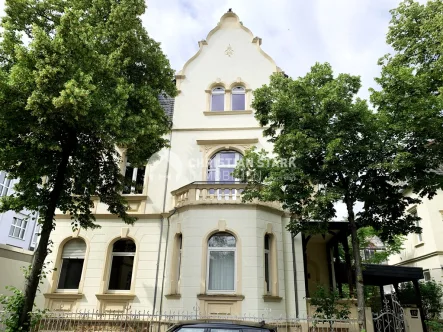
{"x":349,"y":34}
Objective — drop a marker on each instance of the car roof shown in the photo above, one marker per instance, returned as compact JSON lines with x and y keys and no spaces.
{"x":226,"y":325}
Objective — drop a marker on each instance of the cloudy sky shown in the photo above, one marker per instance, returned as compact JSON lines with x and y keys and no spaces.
{"x":349,"y":34}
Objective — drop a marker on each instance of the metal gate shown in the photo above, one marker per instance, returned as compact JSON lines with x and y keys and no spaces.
{"x":392,"y":316}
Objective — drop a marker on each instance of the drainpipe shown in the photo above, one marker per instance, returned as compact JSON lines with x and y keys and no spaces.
{"x":294,"y":267}
{"x":161,"y":225}
{"x":164,"y":265}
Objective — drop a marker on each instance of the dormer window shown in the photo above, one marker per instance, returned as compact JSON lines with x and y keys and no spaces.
{"x":218,"y":99}
{"x":238,"y":98}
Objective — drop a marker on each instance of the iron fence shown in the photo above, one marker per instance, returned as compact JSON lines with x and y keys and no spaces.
{"x":144,"y":321}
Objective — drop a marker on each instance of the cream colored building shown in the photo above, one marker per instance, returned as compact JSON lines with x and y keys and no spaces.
{"x":195,"y":244}
{"x":425,"y":250}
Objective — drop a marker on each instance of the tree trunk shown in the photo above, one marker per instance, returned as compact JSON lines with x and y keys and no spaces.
{"x":358,"y":268}
{"x":33,"y":280}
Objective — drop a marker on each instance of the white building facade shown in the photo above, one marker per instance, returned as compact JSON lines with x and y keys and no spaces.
{"x":195,"y":245}
{"x":425,"y":250}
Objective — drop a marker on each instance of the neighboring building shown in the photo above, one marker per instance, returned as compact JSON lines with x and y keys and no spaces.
{"x":17,"y":229}
{"x":425,"y":250}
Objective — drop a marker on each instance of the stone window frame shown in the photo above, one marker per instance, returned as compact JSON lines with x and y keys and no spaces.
{"x":57,"y":267}
{"x":273,"y":264}
{"x":176,"y":266}
{"x":205,"y":265}
{"x":228,"y":97}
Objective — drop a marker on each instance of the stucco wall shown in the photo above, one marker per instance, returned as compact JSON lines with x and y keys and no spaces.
{"x":428,"y":253}
{"x":12,"y":260}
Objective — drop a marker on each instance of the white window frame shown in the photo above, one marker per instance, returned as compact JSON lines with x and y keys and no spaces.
{"x":217,"y":166}
{"x":135,"y":171}
{"x":268,"y":253}
{"x":428,"y":272}
{"x":238,"y":92}
{"x":419,"y":236}
{"x":210,"y":249}
{"x":5,"y":186}
{"x":218,"y":90}
{"x":14,"y":226}
{"x":121,"y":254}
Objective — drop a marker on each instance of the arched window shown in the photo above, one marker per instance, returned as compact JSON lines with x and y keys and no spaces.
{"x":221,"y":263}
{"x":73,"y":257}
{"x":270,"y":265}
{"x":176,"y":264}
{"x":218,"y":99}
{"x":238,"y":98}
{"x":267,"y":264}
{"x":222,"y":164}
{"x":122,"y":263}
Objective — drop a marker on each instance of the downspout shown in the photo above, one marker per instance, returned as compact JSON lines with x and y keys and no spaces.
{"x":164,"y":265}
{"x":294,"y":268}
{"x":161,"y":225}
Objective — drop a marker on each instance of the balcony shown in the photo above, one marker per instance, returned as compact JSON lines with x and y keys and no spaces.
{"x":215,"y":193}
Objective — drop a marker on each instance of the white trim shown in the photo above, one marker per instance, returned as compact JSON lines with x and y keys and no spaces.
{"x":210,"y":249}
{"x":24,"y":229}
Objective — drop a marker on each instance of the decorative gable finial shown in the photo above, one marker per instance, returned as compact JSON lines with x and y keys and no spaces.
{"x":230,"y":10}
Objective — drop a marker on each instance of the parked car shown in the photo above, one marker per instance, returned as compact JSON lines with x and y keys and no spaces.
{"x":220,"y":327}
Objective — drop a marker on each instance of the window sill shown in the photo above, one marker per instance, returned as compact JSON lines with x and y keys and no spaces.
{"x":419,"y":244}
{"x":134,"y":197}
{"x":272,"y":298}
{"x":115,"y":296}
{"x":173,"y":296}
{"x":227,"y":112}
{"x":227,"y":297}
{"x":16,"y":238}
{"x":65,"y":296}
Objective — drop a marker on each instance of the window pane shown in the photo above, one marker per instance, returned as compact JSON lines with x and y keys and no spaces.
{"x":222,"y":240}
{"x":16,"y":232}
{"x":11,"y":231}
{"x":218,"y":102}
{"x":267,"y":242}
{"x":267,"y":272}
{"x":124,"y":246}
{"x":128,"y":179}
{"x":22,"y":234}
{"x":238,"y":102}
{"x":221,"y":270}
{"x":226,"y":174}
{"x":70,"y":274}
{"x":140,"y":180}
{"x":121,"y":273}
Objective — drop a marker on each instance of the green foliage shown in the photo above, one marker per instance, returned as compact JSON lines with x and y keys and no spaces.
{"x":434,"y":326}
{"x":431,"y":297}
{"x":12,"y":306}
{"x":329,"y":306}
{"x":85,"y":81}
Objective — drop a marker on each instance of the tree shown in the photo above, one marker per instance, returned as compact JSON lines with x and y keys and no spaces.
{"x":431,"y":297}
{"x":329,"y":147}
{"x":77,"y":80}
{"x":328,"y":306}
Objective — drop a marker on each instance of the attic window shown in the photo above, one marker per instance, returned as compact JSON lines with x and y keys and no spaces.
{"x":218,"y":99}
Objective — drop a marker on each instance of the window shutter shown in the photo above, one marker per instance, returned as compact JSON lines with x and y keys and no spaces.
{"x":74,"y":249}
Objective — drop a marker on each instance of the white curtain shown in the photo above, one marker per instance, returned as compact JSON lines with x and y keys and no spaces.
{"x":221,"y":270}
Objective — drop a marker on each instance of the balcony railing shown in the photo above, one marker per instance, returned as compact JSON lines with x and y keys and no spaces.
{"x":202,"y":192}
